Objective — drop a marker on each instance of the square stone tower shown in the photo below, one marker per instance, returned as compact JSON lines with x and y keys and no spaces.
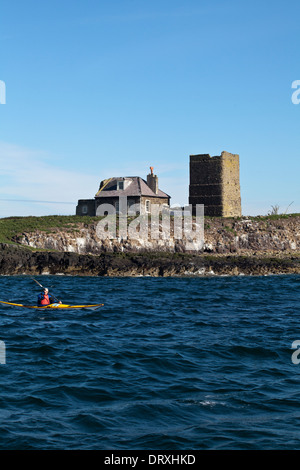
{"x":215,"y":182}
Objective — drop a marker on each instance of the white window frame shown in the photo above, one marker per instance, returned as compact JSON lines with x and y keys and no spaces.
{"x":148,"y":203}
{"x":84,"y":209}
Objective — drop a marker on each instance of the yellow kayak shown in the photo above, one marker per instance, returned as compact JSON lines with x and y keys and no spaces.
{"x":55,"y":306}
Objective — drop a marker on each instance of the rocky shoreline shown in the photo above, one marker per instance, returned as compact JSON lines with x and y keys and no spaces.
{"x":17,"y":260}
{"x":71,"y":246}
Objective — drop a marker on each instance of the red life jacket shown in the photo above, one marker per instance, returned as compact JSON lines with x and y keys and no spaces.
{"x":45,"y":300}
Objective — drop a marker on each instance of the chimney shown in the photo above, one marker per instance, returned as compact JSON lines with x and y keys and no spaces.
{"x":152,"y":181}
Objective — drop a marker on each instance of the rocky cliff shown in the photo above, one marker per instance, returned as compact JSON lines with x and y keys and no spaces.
{"x":260,"y":245}
{"x":245,"y":236}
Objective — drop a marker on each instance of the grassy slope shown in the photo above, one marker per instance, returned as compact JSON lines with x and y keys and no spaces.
{"x":11,"y":226}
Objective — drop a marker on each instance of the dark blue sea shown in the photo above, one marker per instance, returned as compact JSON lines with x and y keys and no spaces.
{"x":167,"y":363}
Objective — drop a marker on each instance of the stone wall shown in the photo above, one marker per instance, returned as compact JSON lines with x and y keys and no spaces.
{"x":113,"y":201}
{"x":205,"y":183}
{"x":86,"y":207}
{"x":231,"y":185}
{"x":214,"y":182}
{"x":156,"y":201}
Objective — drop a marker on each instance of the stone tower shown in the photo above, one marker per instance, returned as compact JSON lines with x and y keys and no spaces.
{"x":215,"y":182}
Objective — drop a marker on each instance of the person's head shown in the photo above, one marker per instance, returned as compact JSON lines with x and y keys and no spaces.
{"x":46,"y":290}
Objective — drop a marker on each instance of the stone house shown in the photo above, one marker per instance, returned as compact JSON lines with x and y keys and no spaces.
{"x":112,"y":192}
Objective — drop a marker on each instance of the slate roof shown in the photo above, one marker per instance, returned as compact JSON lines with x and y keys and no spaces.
{"x":137,"y":187}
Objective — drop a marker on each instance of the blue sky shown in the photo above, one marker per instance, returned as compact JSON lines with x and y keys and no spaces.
{"x":109,"y":88}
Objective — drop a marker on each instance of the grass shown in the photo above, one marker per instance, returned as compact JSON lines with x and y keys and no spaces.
{"x":277,"y":216}
{"x":12,"y":226}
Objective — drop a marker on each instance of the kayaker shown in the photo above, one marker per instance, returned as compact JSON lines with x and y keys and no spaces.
{"x":46,"y":299}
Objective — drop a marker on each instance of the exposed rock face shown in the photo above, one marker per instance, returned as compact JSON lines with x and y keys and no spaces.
{"x":19,"y":260}
{"x":231,"y":246}
{"x":221,"y":236}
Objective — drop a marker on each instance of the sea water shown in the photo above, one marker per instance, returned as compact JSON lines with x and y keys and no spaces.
{"x":167,"y":363}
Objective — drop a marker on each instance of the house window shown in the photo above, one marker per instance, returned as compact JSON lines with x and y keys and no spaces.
{"x":84,"y":209}
{"x":147,"y":205}
{"x":117,"y":207}
{"x":120,"y":185}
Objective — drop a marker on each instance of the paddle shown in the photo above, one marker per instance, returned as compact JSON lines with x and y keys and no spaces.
{"x":44,"y":288}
